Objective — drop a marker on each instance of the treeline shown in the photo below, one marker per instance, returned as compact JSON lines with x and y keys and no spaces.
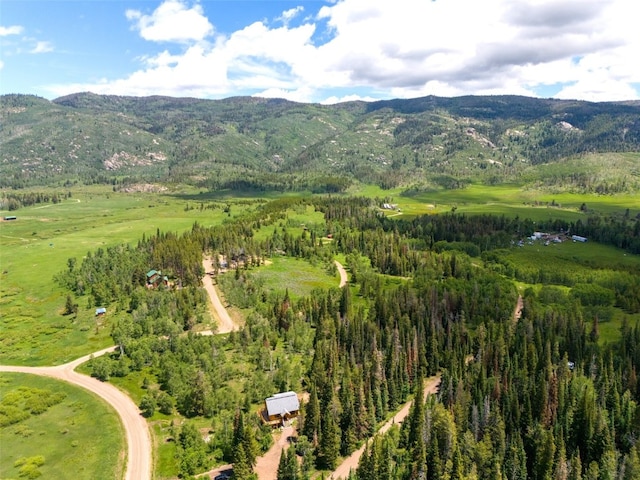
{"x":13,"y":201}
{"x":265,"y":182}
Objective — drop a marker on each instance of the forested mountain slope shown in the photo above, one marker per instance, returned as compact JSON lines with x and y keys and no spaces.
{"x":274,"y":143}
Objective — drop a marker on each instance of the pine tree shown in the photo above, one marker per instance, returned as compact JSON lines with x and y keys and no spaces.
{"x":285,"y":470}
{"x":433,"y":460}
{"x":575,"y":467}
{"x":311,"y":425}
{"x":415,"y":438}
{"x":69,"y":306}
{"x":250,"y":443}
{"x":366,"y":470}
{"x":457,"y":466}
{"x":329,"y":446}
{"x":242,"y":469}
{"x":282,"y":466}
{"x":345,"y":302}
{"x":347,"y":418}
{"x":561,"y":469}
{"x":631,"y":465}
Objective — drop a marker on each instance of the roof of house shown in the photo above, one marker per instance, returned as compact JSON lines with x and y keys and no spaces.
{"x":282,"y":404}
{"x":151,"y":273}
{"x":101,"y":310}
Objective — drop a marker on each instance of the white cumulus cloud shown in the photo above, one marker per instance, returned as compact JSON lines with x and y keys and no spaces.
{"x":172,"y":21}
{"x":42,"y":47}
{"x":12,"y":30}
{"x":290,"y":14}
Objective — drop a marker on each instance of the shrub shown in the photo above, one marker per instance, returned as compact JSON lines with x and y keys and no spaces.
{"x":148,"y":405}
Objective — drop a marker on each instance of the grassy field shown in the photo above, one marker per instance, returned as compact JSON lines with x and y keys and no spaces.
{"x":37,"y":245}
{"x":296,"y":221}
{"x":510,"y":200}
{"x":574,"y":257}
{"x":79,"y":438}
{"x":298,"y":276}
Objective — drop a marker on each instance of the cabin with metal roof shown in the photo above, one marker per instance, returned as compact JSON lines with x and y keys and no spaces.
{"x":282,"y":407}
{"x":155,"y":278}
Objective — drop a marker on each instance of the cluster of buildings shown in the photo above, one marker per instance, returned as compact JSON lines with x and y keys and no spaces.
{"x":549,"y":238}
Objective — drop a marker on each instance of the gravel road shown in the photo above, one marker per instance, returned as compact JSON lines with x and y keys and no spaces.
{"x":225,"y":322}
{"x":343,"y":274}
{"x":135,"y":426}
{"x":351,"y":462}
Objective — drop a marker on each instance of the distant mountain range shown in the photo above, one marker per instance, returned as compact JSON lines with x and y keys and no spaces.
{"x":273,"y":143}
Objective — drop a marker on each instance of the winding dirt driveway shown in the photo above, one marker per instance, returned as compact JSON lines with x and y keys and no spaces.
{"x":351,"y":462}
{"x":135,"y":426}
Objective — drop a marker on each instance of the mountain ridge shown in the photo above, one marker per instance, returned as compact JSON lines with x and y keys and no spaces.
{"x":105,"y":138}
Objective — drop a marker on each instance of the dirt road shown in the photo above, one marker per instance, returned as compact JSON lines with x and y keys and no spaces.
{"x":267,"y":465}
{"x":136,"y":429}
{"x":351,"y":463}
{"x":343,"y":274}
{"x":225,"y":322}
{"x":517,"y":313}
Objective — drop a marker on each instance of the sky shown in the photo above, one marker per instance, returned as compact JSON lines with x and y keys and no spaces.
{"x":322,"y":51}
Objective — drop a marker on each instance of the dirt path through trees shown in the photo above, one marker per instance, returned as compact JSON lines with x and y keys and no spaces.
{"x":343,"y":274}
{"x":351,"y":462}
{"x":225,"y":322}
{"x":135,"y":426}
{"x":517,"y":313}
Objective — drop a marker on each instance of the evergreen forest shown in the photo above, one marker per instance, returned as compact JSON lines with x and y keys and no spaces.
{"x":529,"y":396}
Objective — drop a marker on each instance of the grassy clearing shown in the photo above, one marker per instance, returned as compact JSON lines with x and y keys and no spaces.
{"x":304,"y":216}
{"x":575,"y":257}
{"x":507,"y":199}
{"x":79,"y":438}
{"x":166,"y":451}
{"x":610,"y":331}
{"x":37,"y":245}
{"x":298,"y":276}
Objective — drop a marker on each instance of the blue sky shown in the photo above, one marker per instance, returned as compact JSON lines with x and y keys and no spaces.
{"x":321,"y":51}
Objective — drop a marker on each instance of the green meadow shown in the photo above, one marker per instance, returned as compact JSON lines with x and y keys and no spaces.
{"x":299,"y":277}
{"x":573,"y":257}
{"x":504,"y":199}
{"x":79,"y":437}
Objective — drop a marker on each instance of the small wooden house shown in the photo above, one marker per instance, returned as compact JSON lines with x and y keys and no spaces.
{"x":282,"y":407}
{"x":155,"y":278}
